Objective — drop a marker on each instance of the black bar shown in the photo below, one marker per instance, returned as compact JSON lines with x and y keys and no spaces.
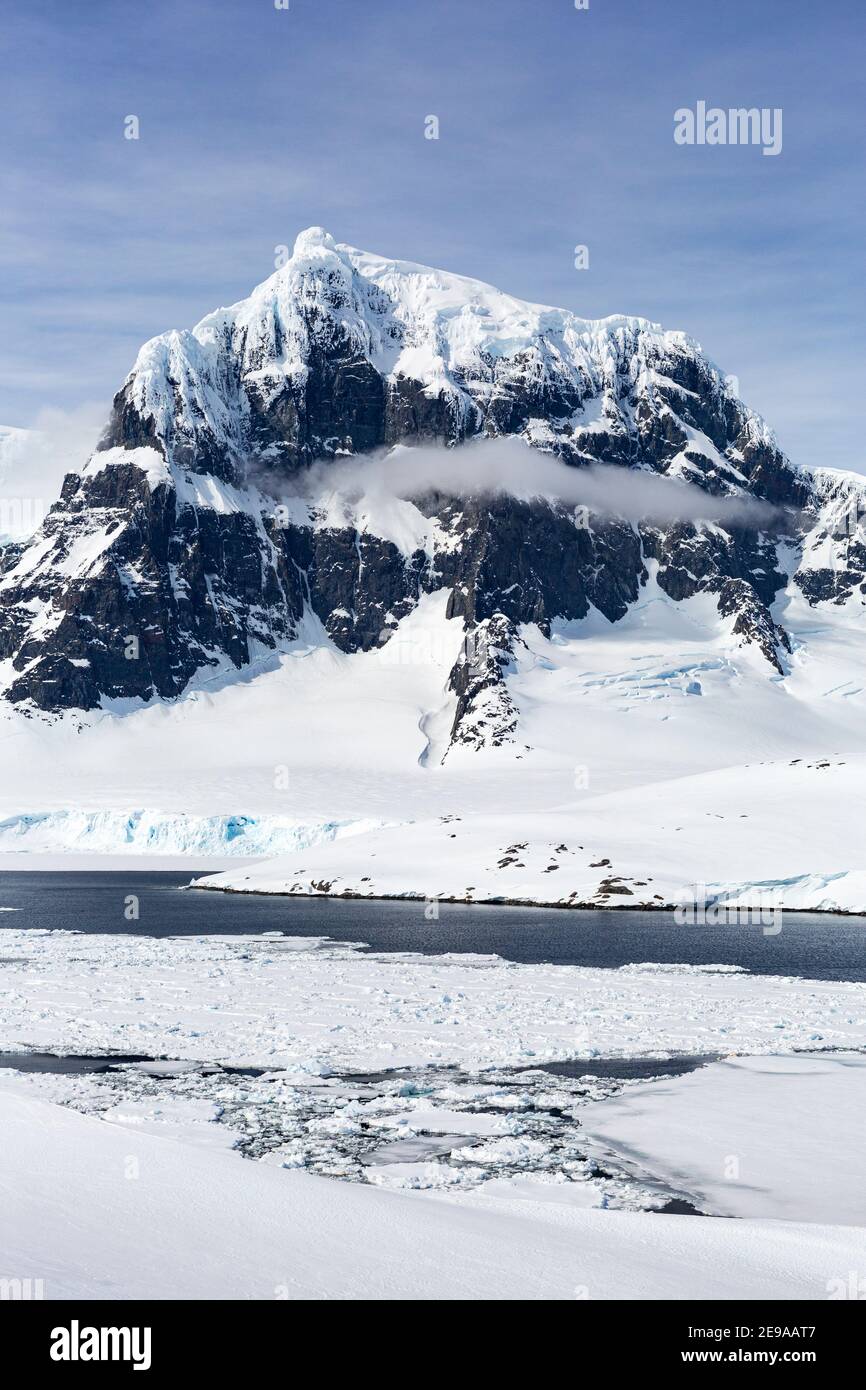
{"x":227,"y":1337}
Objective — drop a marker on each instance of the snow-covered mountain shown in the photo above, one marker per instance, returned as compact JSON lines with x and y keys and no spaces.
{"x":234,"y":555}
{"x":162,"y":538}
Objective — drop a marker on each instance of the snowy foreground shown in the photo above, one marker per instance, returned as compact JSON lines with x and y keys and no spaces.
{"x":399,"y":1134}
{"x":195,"y":1223}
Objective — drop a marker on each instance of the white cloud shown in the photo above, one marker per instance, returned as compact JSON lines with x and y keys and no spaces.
{"x":34,"y":462}
{"x":493,"y":467}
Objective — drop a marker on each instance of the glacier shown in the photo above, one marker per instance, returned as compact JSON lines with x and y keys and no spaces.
{"x":148,"y":832}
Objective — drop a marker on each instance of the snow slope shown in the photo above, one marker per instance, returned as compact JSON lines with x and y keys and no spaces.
{"x":650,"y":743}
{"x":663,"y":845}
{"x":750,"y":1136}
{"x":664,"y":763}
{"x":97,"y":1213}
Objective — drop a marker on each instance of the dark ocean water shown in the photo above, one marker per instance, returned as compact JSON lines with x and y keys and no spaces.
{"x":809,"y":945}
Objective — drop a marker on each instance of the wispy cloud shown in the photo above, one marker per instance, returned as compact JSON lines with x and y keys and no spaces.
{"x":33,"y":463}
{"x":496,"y":467}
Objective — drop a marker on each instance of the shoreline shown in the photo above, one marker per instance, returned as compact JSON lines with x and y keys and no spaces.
{"x":588,"y":906}
{"x":175,"y":864}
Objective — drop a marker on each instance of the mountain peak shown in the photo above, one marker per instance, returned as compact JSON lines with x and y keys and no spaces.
{"x":341,"y":351}
{"x":311,"y":239}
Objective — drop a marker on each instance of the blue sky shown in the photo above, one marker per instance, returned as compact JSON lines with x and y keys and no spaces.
{"x":556,"y":129}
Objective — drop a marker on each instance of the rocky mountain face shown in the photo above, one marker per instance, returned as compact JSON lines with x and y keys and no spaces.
{"x":193,"y":541}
